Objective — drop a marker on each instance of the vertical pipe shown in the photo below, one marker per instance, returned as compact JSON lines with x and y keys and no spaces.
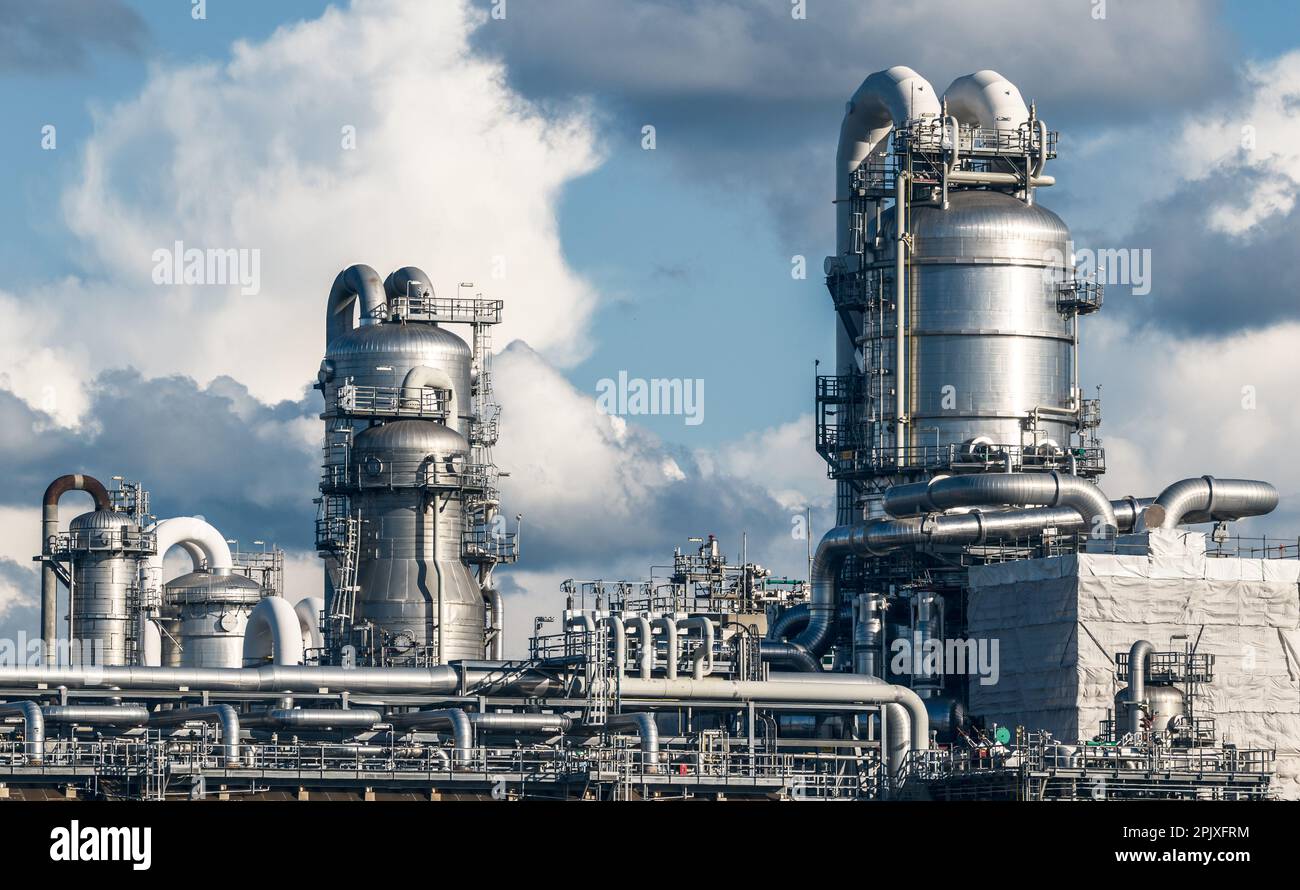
{"x":669,"y":626}
{"x":900,"y":316}
{"x":1138,"y":656}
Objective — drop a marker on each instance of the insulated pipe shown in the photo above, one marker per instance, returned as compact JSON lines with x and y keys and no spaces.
{"x":273,"y":630}
{"x":497,"y":613}
{"x":897,"y":727}
{"x":900,"y":317}
{"x":354,"y":282}
{"x":462,"y":731}
{"x":1206,"y":499}
{"x":408,"y":281}
{"x":97,"y":715}
{"x":317,"y":718}
{"x":648,"y":730}
{"x":798,"y":688}
{"x":33,"y":727}
{"x":702,"y":655}
{"x":150,"y":642}
{"x":1139,"y":658}
{"x":788,"y":622}
{"x":588,"y":626}
{"x":555,"y":724}
{"x":49,"y":532}
{"x":986,"y":99}
{"x":308,"y":610}
{"x":615,"y":625}
{"x":285,"y":679}
{"x":668,"y":625}
{"x":419,"y":377}
{"x":1016,"y":489}
{"x":791,"y":655}
{"x":203,"y":542}
{"x":224,"y":716}
{"x":645,"y":637}
{"x":886,"y":99}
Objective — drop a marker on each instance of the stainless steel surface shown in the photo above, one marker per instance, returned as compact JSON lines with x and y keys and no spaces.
{"x":103,"y":580}
{"x":49,"y":531}
{"x":33,"y":727}
{"x":1139,"y":657}
{"x":225,"y":717}
{"x":1005,"y":489}
{"x":1206,"y":499}
{"x":97,"y":715}
{"x":647,"y":730}
{"x":457,"y":720}
{"x":213,"y":614}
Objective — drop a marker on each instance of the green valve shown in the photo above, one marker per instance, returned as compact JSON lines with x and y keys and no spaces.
{"x":1002,"y":735}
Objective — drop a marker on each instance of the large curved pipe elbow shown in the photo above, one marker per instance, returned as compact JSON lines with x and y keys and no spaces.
{"x":223,"y":716}
{"x":702,"y":654}
{"x":668,"y":625}
{"x":1207,"y":499}
{"x":422,"y":376}
{"x":33,"y":728}
{"x":408,"y":281}
{"x":273,"y":632}
{"x":616,"y":630}
{"x":462,"y":730}
{"x":49,"y":532}
{"x":886,"y":99}
{"x":359,"y":282}
{"x":647,"y":730}
{"x":1006,"y":489}
{"x":645,"y":639}
{"x":1139,"y":660}
{"x":309,"y":609}
{"x":986,"y":99}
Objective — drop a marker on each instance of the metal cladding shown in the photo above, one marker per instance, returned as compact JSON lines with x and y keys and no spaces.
{"x":411,"y":540}
{"x":986,"y":342}
{"x":104,"y":569}
{"x":213,"y":612}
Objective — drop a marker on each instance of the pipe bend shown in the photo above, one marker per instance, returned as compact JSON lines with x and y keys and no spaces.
{"x":33,"y":728}
{"x":359,"y":282}
{"x":986,"y":99}
{"x":1207,"y":499}
{"x":648,"y":731}
{"x":645,"y":639}
{"x":273,"y":631}
{"x":1139,"y":663}
{"x":224,"y":716}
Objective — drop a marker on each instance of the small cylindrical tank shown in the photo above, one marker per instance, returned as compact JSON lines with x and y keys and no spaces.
{"x":413,"y":521}
{"x":1164,"y":704}
{"x":105,"y":548}
{"x":213,"y":613}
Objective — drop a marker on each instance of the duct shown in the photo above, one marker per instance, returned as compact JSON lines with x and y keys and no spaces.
{"x":792,"y":655}
{"x":317,"y":718}
{"x":897,"y":741}
{"x":359,"y":281}
{"x":408,"y":281}
{"x":462,"y":731}
{"x":497,"y":616}
{"x":668,"y":625}
{"x":33,"y":727}
{"x":788,"y":622}
{"x":422,"y":376}
{"x":615,"y":625}
{"x":553,"y":724}
{"x":50,"y":532}
{"x":647,"y":730}
{"x":150,"y":641}
{"x":1017,"y":489}
{"x":847,"y":689}
{"x":287,"y":679}
{"x":308,"y":610}
{"x":702,"y":655}
{"x":97,"y":715}
{"x":273,"y":631}
{"x":203,"y":543}
{"x":1139,"y":659}
{"x":1207,"y":499}
{"x":884,"y":100}
{"x":646,"y":656}
{"x":986,"y":99}
{"x":224,"y":716}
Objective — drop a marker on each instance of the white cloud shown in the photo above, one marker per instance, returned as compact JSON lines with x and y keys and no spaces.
{"x":781,"y":460}
{"x":452,"y":171}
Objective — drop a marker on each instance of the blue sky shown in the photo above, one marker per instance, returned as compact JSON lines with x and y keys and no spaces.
{"x":674,"y":262}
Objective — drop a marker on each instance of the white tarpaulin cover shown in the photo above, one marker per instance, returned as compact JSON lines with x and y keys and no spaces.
{"x":1060,"y":622}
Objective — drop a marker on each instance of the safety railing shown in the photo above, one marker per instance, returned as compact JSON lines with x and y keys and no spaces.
{"x":426,"y":403}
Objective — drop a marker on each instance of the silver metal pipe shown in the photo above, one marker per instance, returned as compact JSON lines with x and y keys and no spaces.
{"x":316,"y":718}
{"x":97,"y":715}
{"x":497,"y":614}
{"x":896,"y":741}
{"x":615,"y":625}
{"x":668,"y":625}
{"x":353,"y":283}
{"x":789,"y":654}
{"x":645,"y":637}
{"x":1206,"y":499}
{"x":847,"y":689}
{"x":1139,"y":657}
{"x":788,"y":622}
{"x":33,"y":727}
{"x":1011,"y":489}
{"x":556,"y":724}
{"x":224,"y":716}
{"x":49,"y":532}
{"x":900,"y":317}
{"x":702,"y":655}
{"x":458,"y":721}
{"x":648,"y":731}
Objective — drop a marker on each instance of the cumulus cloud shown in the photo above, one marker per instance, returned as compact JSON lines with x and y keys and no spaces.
{"x":373,"y":134}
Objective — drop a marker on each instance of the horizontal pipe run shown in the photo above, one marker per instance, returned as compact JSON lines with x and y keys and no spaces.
{"x":317,"y":718}
{"x":97,"y":715}
{"x":223,"y":716}
{"x":1207,"y":499}
{"x":441,"y":718}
